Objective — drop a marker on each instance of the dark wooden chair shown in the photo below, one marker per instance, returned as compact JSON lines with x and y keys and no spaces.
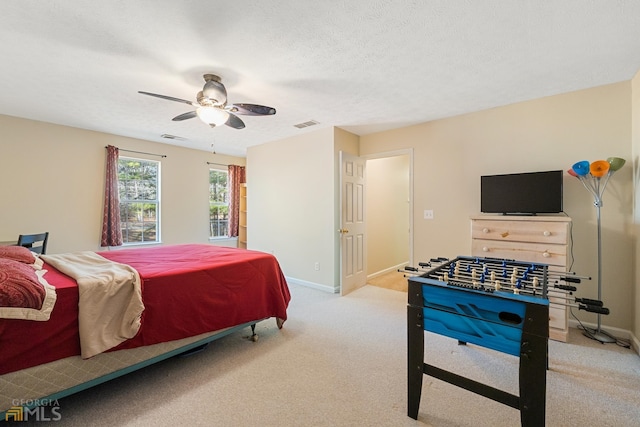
{"x":35,"y":242}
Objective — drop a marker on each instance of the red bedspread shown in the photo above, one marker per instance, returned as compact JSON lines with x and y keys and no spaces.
{"x":186,"y":289}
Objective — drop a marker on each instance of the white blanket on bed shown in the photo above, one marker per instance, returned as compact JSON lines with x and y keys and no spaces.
{"x":110,"y":305}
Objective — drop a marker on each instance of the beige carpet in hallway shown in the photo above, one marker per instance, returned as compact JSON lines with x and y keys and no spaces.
{"x":393,"y":280}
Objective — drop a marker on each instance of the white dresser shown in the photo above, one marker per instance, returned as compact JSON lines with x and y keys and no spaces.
{"x":540,"y":239}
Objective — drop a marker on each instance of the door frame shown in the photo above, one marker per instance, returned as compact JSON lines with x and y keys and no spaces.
{"x":394,"y":153}
{"x":385,"y":154}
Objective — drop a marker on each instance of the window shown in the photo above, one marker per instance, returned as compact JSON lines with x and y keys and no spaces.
{"x":138,"y":188}
{"x":218,"y":203}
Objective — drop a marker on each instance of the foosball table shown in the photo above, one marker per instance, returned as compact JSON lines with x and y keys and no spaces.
{"x":494,"y":303}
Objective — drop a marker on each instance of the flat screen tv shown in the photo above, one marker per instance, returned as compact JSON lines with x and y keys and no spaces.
{"x":527,"y":193}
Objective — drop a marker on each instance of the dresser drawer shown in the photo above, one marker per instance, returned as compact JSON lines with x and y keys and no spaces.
{"x":520,"y":231}
{"x":552,"y":254}
{"x":542,"y":239}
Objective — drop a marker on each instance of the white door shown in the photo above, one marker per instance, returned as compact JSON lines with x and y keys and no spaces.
{"x":353,"y":271}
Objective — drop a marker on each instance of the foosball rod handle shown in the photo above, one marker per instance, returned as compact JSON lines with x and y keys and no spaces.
{"x":592,"y":302}
{"x":570,"y":279}
{"x":566,"y":287}
{"x":593,"y":309}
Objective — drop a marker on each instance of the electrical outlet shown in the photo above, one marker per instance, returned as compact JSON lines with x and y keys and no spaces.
{"x":317,"y":266}
{"x":428,"y":214}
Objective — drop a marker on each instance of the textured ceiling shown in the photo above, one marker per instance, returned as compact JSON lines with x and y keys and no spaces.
{"x":364,"y":66}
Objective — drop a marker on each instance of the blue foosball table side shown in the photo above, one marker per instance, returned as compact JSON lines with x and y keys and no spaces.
{"x":503,"y":321}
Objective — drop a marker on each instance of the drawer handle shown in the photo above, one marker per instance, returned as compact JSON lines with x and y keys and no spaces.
{"x":485,"y":230}
{"x":547,"y":233}
{"x":546,"y":254}
{"x":485,"y":249}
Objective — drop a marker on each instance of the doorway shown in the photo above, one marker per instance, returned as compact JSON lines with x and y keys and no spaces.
{"x":389,"y":223}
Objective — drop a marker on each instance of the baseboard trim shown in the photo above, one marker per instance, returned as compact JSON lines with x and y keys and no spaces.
{"x":635,"y":344}
{"x":616,"y":332}
{"x":313,"y":285}
{"x":387,"y":270}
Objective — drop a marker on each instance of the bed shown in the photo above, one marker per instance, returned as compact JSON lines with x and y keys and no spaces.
{"x":176,"y":298}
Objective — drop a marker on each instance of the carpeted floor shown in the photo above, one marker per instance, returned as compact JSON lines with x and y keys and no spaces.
{"x":341,"y":361}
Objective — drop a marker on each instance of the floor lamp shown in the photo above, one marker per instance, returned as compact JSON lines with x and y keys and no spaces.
{"x":594,"y":177}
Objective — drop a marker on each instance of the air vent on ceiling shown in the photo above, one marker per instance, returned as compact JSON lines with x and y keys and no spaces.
{"x":167,"y":136}
{"x":306,"y":124}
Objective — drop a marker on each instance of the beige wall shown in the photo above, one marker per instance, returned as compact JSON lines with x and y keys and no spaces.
{"x":635,"y":165}
{"x":52,"y":179}
{"x":290,"y":194}
{"x":550,"y":133}
{"x":387,"y":210}
{"x":293,"y":199}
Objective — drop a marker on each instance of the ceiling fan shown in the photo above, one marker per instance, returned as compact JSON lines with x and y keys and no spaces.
{"x":211,"y":105}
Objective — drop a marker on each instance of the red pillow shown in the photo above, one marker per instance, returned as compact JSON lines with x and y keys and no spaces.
{"x":17,"y":253}
{"x":19,"y":285}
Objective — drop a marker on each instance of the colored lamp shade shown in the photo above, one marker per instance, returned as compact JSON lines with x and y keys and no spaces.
{"x":615,"y":163}
{"x":599,"y":168}
{"x":572,"y":173}
{"x":581,"y":168}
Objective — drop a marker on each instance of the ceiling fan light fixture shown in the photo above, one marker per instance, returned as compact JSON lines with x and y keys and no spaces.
{"x":214,"y":90}
{"x":211,"y":106}
{"x":212,"y":115}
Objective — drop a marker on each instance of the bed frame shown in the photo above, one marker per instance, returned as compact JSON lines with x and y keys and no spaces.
{"x":13,"y":407}
{"x":28,"y":384}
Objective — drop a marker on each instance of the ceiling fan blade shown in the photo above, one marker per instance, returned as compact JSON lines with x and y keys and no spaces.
{"x":170,"y":98}
{"x":185,"y":116}
{"x":253,"y":110}
{"x":234,"y":122}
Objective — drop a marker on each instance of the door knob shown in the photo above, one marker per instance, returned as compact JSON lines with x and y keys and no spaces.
{"x":343,"y":231}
